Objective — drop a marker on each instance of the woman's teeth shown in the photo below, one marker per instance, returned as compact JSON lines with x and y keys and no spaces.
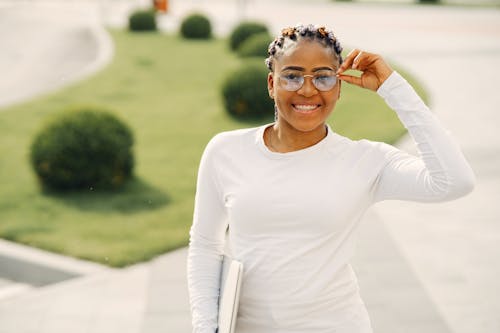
{"x":305,"y":108}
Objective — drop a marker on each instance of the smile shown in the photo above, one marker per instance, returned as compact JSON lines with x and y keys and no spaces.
{"x":305,"y":108}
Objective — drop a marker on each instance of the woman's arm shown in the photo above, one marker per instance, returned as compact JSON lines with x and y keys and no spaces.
{"x":441,"y":172}
{"x":206,"y":245}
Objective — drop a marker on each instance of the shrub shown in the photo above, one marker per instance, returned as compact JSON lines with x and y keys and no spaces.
{"x":245,"y":92}
{"x":83,"y":148}
{"x":196,"y":26}
{"x":142,"y":20}
{"x":429,"y":1}
{"x":244,"y":30}
{"x":255,"y":46}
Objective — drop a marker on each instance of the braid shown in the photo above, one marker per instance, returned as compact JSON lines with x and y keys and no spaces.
{"x":291,"y":35}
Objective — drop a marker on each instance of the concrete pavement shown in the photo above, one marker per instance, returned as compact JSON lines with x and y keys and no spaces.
{"x":438,"y":261}
{"x":46,"y":46}
{"x":149,"y":297}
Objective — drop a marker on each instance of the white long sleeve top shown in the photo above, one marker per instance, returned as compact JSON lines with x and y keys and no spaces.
{"x":293,"y":217}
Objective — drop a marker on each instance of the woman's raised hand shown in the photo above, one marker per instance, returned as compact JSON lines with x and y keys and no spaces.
{"x":375,"y":69}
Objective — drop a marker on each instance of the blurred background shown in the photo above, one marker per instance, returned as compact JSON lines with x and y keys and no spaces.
{"x":106,"y":107}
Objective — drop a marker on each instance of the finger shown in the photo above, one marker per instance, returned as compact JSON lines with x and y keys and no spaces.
{"x":357,"y":59}
{"x":365,"y":62}
{"x":352,"y":80}
{"x":348,"y":61}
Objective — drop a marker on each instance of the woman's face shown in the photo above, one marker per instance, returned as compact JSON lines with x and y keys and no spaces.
{"x":307,"y":108}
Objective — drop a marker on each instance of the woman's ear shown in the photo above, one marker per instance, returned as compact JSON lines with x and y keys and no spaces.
{"x":270,"y":84}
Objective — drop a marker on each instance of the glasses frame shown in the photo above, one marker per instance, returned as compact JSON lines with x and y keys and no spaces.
{"x":303,"y":76}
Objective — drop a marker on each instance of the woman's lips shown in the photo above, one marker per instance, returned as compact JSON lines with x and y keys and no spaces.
{"x":305,"y":108}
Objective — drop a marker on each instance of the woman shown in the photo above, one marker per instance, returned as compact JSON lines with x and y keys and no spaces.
{"x":293,"y":192}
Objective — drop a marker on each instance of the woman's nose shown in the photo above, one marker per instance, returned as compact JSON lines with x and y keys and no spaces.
{"x":308,"y":89}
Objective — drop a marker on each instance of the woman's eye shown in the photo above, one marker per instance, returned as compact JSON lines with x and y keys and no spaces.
{"x":291,"y":76}
{"x":324,"y":76}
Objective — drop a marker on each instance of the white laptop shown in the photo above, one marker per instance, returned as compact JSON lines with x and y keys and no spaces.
{"x":232,"y":272}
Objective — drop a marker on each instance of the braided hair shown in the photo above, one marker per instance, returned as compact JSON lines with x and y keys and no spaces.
{"x":292,"y":35}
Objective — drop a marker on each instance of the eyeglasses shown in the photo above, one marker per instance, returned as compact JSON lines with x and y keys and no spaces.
{"x":294,"y":80}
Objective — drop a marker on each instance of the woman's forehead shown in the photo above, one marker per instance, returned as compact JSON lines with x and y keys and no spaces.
{"x":308,"y":55}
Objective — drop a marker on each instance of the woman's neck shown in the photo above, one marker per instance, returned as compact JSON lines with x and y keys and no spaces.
{"x":284,"y":138}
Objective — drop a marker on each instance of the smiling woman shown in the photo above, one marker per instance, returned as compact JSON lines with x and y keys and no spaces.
{"x":293,"y":192}
{"x":303,"y":104}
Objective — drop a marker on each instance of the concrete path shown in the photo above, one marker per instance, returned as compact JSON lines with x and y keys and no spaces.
{"x":46,"y":46}
{"x":150,"y":297}
{"x":438,"y":261}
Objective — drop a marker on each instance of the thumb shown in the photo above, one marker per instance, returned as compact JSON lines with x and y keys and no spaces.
{"x":351,"y":79}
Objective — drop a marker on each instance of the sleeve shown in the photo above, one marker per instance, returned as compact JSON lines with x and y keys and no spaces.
{"x":206,"y":245}
{"x":440,"y":172}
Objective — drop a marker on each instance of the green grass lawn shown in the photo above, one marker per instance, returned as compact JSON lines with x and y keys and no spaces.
{"x":168,"y":91}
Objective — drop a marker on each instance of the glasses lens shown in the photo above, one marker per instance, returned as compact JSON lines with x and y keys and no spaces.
{"x":291,"y":81}
{"x":325,"y":81}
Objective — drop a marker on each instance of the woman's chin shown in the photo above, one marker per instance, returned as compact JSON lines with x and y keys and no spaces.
{"x":307,"y":121}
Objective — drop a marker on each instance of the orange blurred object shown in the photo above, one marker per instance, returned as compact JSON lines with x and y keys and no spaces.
{"x":161,"y":5}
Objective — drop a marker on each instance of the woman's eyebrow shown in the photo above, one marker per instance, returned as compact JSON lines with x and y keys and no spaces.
{"x":297,"y":68}
{"x":322,"y":68}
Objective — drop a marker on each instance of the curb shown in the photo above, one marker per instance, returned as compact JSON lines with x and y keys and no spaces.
{"x":38,"y":268}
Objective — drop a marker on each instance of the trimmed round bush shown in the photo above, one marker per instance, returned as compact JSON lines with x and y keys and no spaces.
{"x":245,"y":93}
{"x":142,"y":20}
{"x":83,"y":148}
{"x":196,"y":26}
{"x":243,"y":31}
{"x":255,"y":46}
